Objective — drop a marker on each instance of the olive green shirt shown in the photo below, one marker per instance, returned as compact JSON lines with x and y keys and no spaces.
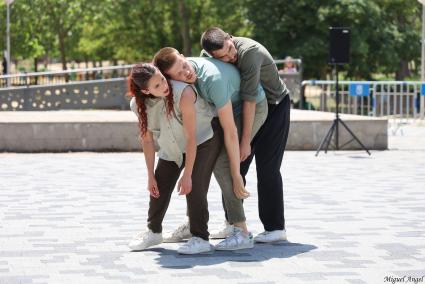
{"x":256,"y":66}
{"x":168,"y":131}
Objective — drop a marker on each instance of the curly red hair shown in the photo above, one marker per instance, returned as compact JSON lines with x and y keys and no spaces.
{"x":138,"y":80}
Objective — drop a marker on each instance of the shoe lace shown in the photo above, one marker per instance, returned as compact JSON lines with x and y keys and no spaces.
{"x":265,"y":233}
{"x":232,"y":240}
{"x":234,"y":237}
{"x":193,"y":241}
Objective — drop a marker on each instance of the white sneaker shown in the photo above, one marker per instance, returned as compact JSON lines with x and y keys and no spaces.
{"x":195,"y":245}
{"x":271,"y":236}
{"x":144,"y":240}
{"x":238,"y":240}
{"x":179,"y":235}
{"x":225,"y":232}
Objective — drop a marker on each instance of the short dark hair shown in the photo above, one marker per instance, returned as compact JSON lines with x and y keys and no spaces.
{"x":165,"y":58}
{"x":213,"y":39}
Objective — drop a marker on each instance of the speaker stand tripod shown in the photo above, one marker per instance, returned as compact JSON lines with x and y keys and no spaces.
{"x":334,"y":127}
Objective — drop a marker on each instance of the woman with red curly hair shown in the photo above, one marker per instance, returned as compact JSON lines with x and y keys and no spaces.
{"x":184,"y":130}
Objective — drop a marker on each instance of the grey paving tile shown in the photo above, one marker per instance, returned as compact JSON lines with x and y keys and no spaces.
{"x":351,"y":218}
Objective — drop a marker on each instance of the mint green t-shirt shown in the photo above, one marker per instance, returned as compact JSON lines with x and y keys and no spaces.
{"x":218,"y":82}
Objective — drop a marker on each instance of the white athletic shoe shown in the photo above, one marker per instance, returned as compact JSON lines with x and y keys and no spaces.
{"x":271,"y":236}
{"x":144,"y":240}
{"x":238,"y":240}
{"x":226,"y":231}
{"x":195,"y":245}
{"x":179,"y":235}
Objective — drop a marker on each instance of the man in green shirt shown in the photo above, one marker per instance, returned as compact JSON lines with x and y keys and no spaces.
{"x":257,"y":66}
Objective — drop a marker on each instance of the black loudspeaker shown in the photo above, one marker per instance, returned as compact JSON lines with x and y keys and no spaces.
{"x":339,"y":47}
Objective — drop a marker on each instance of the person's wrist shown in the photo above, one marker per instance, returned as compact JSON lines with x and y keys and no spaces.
{"x":246,"y":138}
{"x":236,"y":175}
{"x":187,"y":174}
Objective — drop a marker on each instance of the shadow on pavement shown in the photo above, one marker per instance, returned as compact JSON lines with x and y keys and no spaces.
{"x":261,"y":252}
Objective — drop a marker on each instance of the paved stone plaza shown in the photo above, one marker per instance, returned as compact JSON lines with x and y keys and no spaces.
{"x":351,"y":218}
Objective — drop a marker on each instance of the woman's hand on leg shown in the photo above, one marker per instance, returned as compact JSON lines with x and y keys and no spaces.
{"x":185,"y":185}
{"x":153,"y":187}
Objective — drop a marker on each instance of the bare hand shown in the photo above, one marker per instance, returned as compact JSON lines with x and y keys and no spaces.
{"x":239,"y":188}
{"x":185,"y":185}
{"x":153,"y":187}
{"x":245,"y":150}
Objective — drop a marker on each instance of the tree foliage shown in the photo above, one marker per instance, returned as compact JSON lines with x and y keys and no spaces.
{"x":385,"y":34}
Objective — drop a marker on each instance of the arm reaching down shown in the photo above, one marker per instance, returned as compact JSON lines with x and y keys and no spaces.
{"x":248,"y":115}
{"x":149,"y":152}
{"x":231,"y":142}
{"x":250,"y":80}
{"x":187,"y":108}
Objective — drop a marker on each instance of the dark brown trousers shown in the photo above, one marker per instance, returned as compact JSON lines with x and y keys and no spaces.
{"x":167,"y":174}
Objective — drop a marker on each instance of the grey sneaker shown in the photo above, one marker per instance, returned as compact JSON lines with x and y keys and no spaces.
{"x":179,"y":235}
{"x":144,"y":240}
{"x":271,"y":236}
{"x":195,"y":245}
{"x":238,"y":240}
{"x":226,"y":231}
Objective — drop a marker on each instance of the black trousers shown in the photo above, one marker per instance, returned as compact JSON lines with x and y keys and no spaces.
{"x":268,"y":147}
{"x":167,"y":174}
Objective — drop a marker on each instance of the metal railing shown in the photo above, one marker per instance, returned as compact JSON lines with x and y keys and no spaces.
{"x":62,"y":77}
{"x":95,"y":94}
{"x":56,"y":89}
{"x":292,"y":79}
{"x":393,"y":99}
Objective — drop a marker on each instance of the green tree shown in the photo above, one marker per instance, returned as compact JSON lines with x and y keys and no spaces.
{"x":135,"y":29}
{"x":51,"y":27}
{"x":384,"y":33}
{"x":292,"y":27}
{"x":66,"y":19}
{"x":231,"y":16}
{"x":29,"y":37}
{"x":96,"y":40}
{"x":138,"y":28}
{"x":404,"y":17}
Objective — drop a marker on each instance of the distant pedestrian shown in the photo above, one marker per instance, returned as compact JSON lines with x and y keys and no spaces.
{"x":289,"y":66}
{"x":4,"y":64}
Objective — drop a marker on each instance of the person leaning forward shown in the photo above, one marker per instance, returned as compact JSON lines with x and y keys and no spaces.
{"x":178,"y":123}
{"x":218,"y":83}
{"x":257,"y":66}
